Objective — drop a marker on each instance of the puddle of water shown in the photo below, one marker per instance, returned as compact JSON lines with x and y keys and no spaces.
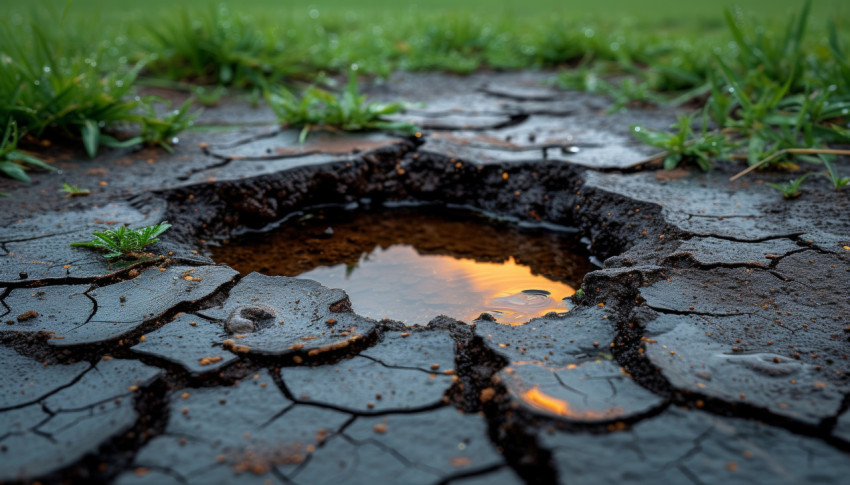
{"x":413,"y":264}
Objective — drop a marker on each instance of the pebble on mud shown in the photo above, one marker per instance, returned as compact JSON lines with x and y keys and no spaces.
{"x":244,"y":319}
{"x":27,"y":315}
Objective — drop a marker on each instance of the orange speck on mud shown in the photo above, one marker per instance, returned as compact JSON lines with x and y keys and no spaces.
{"x":27,"y":315}
{"x":540,"y":400}
{"x":209,"y":360}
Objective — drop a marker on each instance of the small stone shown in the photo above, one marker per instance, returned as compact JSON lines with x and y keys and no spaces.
{"x":245,"y":319}
{"x":27,"y":315}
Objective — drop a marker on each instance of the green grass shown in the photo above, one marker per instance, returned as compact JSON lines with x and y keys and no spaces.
{"x":124,"y":242}
{"x":659,"y":12}
{"x":349,"y":111}
{"x":775,"y":100}
{"x":75,"y":191}
{"x":767,"y":87}
{"x":13,"y":162}
{"x":790,"y":189}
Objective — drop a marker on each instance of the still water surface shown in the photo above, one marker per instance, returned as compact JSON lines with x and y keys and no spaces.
{"x":414,"y":264}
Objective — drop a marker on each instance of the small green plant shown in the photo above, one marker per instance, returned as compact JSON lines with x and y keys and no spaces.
{"x":209,"y":96}
{"x":347,"y":112}
{"x":75,"y":190}
{"x":124,"y":241}
{"x":683,"y":145}
{"x":837,"y":181}
{"x":13,"y":162}
{"x":161,"y":131}
{"x":791,"y":188}
{"x":155,"y":130}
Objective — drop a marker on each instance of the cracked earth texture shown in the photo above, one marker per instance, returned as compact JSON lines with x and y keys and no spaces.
{"x":711,"y":345}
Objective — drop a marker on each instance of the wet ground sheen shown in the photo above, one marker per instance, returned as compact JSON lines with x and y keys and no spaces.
{"x":413,"y":264}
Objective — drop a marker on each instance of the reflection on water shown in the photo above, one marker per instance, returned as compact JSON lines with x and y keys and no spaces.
{"x":412,"y":265}
{"x":400,"y":284}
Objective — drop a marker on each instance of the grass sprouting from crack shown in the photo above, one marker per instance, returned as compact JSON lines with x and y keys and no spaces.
{"x":75,"y":190}
{"x":790,"y":189}
{"x":348,"y":111}
{"x":123,"y":242}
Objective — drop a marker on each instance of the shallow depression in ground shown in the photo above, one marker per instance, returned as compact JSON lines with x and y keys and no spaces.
{"x":413,"y":264}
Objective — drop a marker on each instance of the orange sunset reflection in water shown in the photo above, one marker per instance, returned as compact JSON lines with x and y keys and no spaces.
{"x":400,"y":284}
{"x":414,"y":264}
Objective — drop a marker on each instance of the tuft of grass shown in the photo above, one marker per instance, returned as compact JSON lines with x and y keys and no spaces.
{"x":155,"y":130}
{"x":74,"y":191}
{"x":50,"y":88}
{"x":790,"y":189}
{"x":838,"y":182}
{"x":347,"y":111}
{"x":55,"y":85}
{"x":13,"y":162}
{"x":683,"y":145}
{"x":123,"y":242}
{"x":776,"y":97}
{"x":218,"y":47}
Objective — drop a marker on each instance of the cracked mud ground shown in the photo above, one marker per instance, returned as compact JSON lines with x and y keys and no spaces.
{"x":710,"y":346}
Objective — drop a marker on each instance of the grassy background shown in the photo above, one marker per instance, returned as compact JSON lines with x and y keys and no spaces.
{"x":770,"y":83}
{"x":663,"y":12}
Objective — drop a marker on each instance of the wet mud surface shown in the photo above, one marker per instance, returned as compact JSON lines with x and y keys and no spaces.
{"x":710,"y":346}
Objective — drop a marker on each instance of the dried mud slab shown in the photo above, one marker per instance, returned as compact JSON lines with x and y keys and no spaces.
{"x":248,"y":433}
{"x":404,"y":448}
{"x":123,"y":307}
{"x":562,"y":367}
{"x":287,"y":316}
{"x":703,"y":447}
{"x":190,"y":341}
{"x":402,"y":373}
{"x":67,"y":418}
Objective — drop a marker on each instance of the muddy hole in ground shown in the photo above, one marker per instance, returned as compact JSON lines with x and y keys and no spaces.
{"x":412,"y":264}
